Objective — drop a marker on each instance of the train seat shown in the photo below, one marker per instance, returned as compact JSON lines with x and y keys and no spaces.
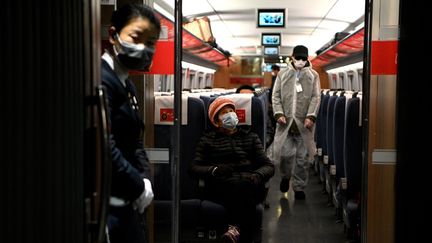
{"x":353,"y":162}
{"x":319,"y":138}
{"x":338,"y":147}
{"x":195,"y":213}
{"x":324,"y":127}
{"x":190,"y":204}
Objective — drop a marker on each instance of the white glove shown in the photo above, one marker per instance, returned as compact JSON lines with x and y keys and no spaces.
{"x":145,"y":198}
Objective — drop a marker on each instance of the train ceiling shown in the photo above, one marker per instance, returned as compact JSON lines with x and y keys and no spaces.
{"x":313,"y":23}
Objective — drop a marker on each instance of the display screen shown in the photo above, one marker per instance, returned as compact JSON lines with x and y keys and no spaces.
{"x":271,"y":50}
{"x":271,"y":18}
{"x":271,"y":39}
{"x":267,"y":68}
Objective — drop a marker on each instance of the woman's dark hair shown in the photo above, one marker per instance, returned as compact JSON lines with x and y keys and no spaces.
{"x":245,"y":86}
{"x":275,"y":68}
{"x":121,"y":17}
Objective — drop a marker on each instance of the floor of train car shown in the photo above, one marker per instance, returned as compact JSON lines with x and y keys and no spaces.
{"x":294,"y":221}
{"x":300,"y":221}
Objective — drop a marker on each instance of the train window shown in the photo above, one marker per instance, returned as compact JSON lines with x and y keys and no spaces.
{"x":195,"y":80}
{"x":334,"y":80}
{"x":360,"y":79}
{"x":208,"y":80}
{"x":200,"y":82}
{"x":187,"y":84}
{"x":341,"y":81}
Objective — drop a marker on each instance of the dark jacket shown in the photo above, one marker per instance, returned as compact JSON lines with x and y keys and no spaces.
{"x":271,"y":126}
{"x":243,"y":151}
{"x":129,"y":160}
{"x":271,"y":88}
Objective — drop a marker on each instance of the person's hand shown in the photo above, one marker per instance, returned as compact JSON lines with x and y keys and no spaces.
{"x":145,"y":198}
{"x":255,"y":178}
{"x":308,"y":123}
{"x":222,"y":171}
{"x":282,"y":120}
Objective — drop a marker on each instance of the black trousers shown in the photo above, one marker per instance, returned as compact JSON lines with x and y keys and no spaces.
{"x":126,"y":225}
{"x":239,"y":196}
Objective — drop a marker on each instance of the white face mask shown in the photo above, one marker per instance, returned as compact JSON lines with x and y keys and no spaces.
{"x":134,"y":56}
{"x":229,"y":120}
{"x":299,"y":63}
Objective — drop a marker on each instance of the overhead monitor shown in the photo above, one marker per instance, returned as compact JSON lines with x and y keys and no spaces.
{"x":271,"y":50}
{"x":270,"y":18}
{"x":271,"y":39}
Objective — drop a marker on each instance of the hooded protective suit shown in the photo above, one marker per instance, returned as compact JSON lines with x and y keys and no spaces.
{"x":296,"y":95}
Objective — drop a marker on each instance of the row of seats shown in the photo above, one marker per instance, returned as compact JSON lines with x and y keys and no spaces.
{"x":200,"y":220}
{"x":339,"y":145}
{"x":192,"y":79}
{"x":347,"y":80}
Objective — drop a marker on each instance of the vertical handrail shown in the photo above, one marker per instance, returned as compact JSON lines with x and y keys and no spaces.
{"x":176,"y":145}
{"x":365,"y":116}
{"x":105,"y":161}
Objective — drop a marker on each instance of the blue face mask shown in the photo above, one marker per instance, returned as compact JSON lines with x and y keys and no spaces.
{"x":229,"y":120}
{"x":134,"y":56}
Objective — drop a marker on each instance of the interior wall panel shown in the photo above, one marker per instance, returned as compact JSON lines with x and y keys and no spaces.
{"x":42,"y":122}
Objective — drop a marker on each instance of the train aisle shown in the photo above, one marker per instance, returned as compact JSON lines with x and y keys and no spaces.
{"x":300,"y":221}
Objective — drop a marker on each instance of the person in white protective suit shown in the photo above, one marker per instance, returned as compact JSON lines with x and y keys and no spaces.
{"x":295,"y":100}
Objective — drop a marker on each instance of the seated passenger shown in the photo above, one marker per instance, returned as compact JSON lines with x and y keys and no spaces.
{"x":245,"y":89}
{"x":234,"y":166}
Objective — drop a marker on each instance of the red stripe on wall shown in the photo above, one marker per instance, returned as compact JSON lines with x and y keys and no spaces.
{"x":163,"y":59}
{"x":384,"y":57}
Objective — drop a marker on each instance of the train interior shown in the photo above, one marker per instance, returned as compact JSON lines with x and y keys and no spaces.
{"x":340,"y":63}
{"x":365,"y":177}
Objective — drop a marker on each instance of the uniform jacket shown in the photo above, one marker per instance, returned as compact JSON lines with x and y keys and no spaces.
{"x":243,"y":151}
{"x":129,"y":160}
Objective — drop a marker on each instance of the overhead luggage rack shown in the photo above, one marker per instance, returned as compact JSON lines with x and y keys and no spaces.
{"x":192,"y":44}
{"x":349,"y":47}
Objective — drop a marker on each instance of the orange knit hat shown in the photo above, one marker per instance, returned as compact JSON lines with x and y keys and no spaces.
{"x":217,"y":105}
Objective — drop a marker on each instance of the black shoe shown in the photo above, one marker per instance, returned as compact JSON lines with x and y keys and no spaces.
{"x":299,"y":195}
{"x":284,"y":185}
